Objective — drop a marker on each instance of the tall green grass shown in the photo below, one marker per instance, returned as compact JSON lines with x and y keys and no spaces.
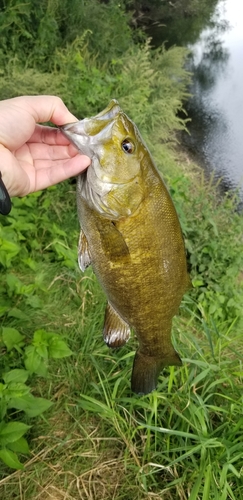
{"x":100,"y":441}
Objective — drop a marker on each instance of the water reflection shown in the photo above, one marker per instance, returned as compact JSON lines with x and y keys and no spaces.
{"x":216,"y":107}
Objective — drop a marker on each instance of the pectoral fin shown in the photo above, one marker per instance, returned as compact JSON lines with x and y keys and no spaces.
{"x":116,"y":331}
{"x":112,"y":241}
{"x":84,"y":258}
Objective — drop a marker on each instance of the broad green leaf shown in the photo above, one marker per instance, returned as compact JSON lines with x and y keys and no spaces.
{"x":14,"y":284}
{"x":17,"y":313}
{"x":15,"y":376}
{"x":3,"y":310}
{"x":16,"y":390}
{"x":19,"y":446}
{"x":40,"y":405}
{"x":31,"y":263}
{"x":32,"y":359}
{"x":10,"y":459}
{"x":8,"y":250}
{"x":2,"y":389}
{"x":42,"y":369}
{"x":35,"y":302}
{"x":197,"y":282}
{"x":3,"y":409}
{"x":31,"y":405}
{"x":42,"y":351}
{"x":40,"y":337}
{"x":59,"y":349}
{"x":11,"y":337}
{"x":41,"y":341}
{"x":12,"y":431}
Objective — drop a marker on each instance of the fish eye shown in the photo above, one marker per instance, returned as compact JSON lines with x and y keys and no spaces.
{"x":128,"y":146}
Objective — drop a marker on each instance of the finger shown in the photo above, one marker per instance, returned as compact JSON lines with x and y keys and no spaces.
{"x":48,"y":108}
{"x":48,"y":135}
{"x":60,"y":171}
{"x":18,"y":117}
{"x":39,"y":151}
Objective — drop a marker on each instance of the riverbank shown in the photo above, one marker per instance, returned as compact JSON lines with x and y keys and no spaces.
{"x":68,"y":421}
{"x":198,"y":171}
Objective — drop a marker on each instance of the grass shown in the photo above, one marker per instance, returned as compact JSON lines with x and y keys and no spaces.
{"x":182,"y":441}
{"x":99,"y":441}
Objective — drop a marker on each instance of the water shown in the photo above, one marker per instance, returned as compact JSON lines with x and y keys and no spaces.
{"x":216,"y":107}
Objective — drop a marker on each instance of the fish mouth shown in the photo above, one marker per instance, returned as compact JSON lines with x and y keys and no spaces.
{"x":88,"y":134}
{"x":110,"y":112}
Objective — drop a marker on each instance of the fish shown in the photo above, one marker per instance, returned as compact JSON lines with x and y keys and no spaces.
{"x":131,"y":235}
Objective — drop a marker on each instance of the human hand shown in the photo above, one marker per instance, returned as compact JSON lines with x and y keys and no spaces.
{"x":33,"y":156}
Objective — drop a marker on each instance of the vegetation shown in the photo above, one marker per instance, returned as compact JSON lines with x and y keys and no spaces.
{"x":68,"y":421}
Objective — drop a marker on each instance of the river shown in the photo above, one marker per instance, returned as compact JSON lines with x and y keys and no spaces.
{"x":216,"y":105}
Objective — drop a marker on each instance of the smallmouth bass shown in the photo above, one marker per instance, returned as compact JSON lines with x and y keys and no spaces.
{"x":131,"y":235}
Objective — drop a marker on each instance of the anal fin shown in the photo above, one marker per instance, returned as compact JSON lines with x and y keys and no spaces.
{"x":84,"y":258}
{"x":116,"y":331}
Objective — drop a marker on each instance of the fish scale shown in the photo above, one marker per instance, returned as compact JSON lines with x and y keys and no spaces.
{"x":131,"y":235}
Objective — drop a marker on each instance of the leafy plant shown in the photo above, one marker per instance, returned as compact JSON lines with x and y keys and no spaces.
{"x":15,"y":394}
{"x":13,"y":442}
{"x":214,"y":252}
{"x":45,"y":345}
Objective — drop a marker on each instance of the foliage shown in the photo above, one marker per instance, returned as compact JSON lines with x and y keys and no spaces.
{"x":15,"y":394}
{"x":30,"y":32}
{"x":214,"y":252}
{"x":25,"y":355}
{"x":99,"y":441}
{"x":150,"y":84}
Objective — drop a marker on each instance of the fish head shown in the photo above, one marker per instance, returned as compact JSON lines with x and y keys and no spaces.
{"x":112,"y":183}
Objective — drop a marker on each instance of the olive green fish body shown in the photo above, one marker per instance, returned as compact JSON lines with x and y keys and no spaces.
{"x":135,"y":245}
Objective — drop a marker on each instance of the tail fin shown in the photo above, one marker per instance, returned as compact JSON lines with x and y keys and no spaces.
{"x":146,"y":370}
